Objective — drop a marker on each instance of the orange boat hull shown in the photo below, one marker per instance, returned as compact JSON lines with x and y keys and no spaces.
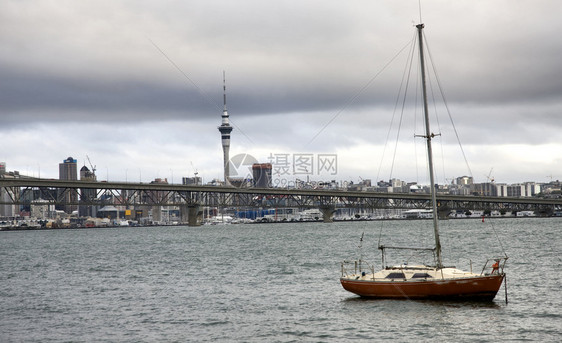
{"x":477,"y":288}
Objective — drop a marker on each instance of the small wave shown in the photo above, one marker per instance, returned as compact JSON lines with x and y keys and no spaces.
{"x":548,"y":315}
{"x":216,"y":323}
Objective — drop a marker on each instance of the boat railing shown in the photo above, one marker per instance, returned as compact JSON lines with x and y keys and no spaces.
{"x":356,"y":267}
{"x":494,"y":265}
{"x":383,"y":249}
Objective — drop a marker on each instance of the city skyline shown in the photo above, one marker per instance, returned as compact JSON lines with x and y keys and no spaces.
{"x":138,"y":88}
{"x":265,"y":179}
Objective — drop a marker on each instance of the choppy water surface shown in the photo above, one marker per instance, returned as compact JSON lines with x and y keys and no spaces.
{"x":267,"y":282}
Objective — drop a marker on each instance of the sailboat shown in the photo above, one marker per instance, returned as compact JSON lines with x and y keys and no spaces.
{"x":423,"y":281}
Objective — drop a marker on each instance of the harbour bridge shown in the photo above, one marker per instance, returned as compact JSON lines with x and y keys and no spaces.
{"x":192,"y":198}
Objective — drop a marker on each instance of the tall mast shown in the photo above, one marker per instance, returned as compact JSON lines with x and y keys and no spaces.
{"x":428,"y":136}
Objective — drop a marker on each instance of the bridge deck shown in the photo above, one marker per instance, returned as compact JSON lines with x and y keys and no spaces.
{"x":24,"y":191}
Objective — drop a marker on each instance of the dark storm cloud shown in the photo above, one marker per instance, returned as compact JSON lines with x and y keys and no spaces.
{"x":278,"y":59}
{"x":75,"y":99}
{"x":300,"y":75}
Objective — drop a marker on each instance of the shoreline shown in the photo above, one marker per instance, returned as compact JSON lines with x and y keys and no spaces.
{"x":35,"y":228}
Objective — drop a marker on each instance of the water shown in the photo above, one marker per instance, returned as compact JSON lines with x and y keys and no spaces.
{"x":267,"y":282}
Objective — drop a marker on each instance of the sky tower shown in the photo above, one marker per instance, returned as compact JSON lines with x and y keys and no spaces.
{"x":225,"y":130}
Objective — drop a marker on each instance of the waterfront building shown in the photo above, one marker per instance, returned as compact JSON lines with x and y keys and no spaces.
{"x":532,"y":189}
{"x":527,"y":189}
{"x":399,"y":186}
{"x":501,"y":189}
{"x":515,"y":190}
{"x":484,"y":189}
{"x":41,"y":209}
{"x":396,"y":183}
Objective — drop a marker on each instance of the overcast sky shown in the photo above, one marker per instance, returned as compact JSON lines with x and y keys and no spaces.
{"x":137,"y":87}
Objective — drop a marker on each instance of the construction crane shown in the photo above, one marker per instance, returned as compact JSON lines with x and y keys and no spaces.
{"x":195,"y":170}
{"x":91,"y":166}
{"x":489,"y":177}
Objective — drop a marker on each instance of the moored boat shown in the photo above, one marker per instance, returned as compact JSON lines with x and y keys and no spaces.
{"x":423,"y":281}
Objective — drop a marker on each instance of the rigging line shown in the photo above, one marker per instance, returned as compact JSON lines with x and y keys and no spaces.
{"x":201,"y":92}
{"x":395,"y":107}
{"x":418,"y":79}
{"x":435,"y":109}
{"x":447,"y":108}
{"x":242,"y":132}
{"x":497,"y":237}
{"x":443,"y":160}
{"x":422,"y":231}
{"x":357,"y":94}
{"x":402,"y":113}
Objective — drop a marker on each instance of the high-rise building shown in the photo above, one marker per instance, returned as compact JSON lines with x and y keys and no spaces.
{"x":262,"y":175}
{"x":225,"y":130}
{"x":68,"y":171}
{"x":2,"y":168}
{"x":87,"y":194}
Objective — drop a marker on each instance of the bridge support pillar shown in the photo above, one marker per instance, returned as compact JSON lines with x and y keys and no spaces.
{"x":184,"y":213}
{"x":327,"y":213}
{"x":443,"y":210}
{"x":193,"y":214}
{"x":443,"y":214}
